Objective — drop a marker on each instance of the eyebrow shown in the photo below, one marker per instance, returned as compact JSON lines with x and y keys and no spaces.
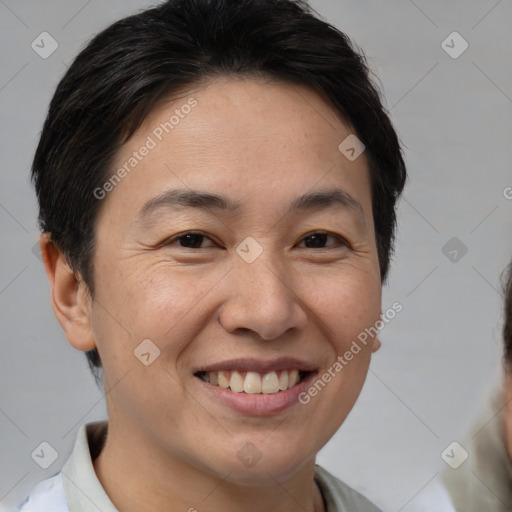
{"x":328,"y":199}
{"x":205,"y":201}
{"x":170,"y":199}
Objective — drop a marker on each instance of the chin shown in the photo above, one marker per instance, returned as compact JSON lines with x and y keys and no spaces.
{"x":256,"y":464}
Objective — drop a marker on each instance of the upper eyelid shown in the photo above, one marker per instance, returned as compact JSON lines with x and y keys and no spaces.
{"x":341,"y":239}
{"x":175,"y":238}
{"x":172,"y":240}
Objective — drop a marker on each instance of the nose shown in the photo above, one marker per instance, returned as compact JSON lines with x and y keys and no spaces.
{"x":261,"y":300}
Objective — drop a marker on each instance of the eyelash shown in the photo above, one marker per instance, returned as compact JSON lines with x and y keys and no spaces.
{"x":340,"y":241}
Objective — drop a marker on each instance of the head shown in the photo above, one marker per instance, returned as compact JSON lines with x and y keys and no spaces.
{"x":507,"y":323}
{"x":507,"y":357}
{"x":226,"y":117}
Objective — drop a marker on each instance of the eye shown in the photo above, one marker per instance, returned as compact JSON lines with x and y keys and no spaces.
{"x":319,"y":240}
{"x":190,"y":240}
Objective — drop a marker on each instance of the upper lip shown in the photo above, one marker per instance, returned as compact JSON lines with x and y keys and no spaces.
{"x":259,"y":365}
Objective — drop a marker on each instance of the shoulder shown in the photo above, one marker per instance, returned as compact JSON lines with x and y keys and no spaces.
{"x":46,"y":496}
{"x":338,"y":496}
{"x":482,"y":480}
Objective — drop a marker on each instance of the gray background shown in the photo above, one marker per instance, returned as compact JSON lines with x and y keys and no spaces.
{"x":440,"y":355}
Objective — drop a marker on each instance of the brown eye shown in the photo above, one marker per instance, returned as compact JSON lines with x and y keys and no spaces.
{"x":319,"y":240}
{"x":190,"y":240}
{"x":316,"y":240}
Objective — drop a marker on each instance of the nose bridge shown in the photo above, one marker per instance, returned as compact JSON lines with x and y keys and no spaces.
{"x":264,"y":281}
{"x":260,"y":298}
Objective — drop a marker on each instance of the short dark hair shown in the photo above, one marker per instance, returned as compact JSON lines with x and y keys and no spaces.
{"x":119,"y":77}
{"x":507,"y":314}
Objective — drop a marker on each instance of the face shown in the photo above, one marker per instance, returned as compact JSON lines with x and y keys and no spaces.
{"x":241,"y":245}
{"x":507,"y":412}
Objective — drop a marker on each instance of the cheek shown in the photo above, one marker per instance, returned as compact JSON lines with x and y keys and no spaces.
{"x":347,"y":306}
{"x":151,"y":301}
{"x":163,"y":305}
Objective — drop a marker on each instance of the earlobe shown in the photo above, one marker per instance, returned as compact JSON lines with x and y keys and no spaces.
{"x":376,"y":341}
{"x":69,"y":296}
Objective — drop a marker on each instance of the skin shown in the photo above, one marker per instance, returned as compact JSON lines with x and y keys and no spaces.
{"x":262,"y":144}
{"x":507,"y":412}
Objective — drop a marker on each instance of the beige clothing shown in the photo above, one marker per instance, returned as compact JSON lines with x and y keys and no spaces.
{"x":483,"y":483}
{"x":77,"y":488}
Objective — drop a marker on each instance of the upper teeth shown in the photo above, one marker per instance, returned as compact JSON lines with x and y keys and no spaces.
{"x":253,"y":382}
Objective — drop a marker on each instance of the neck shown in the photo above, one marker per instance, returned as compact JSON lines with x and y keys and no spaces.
{"x":143,"y":478}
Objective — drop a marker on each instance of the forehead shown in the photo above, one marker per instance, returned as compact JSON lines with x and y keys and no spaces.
{"x":253,"y":139}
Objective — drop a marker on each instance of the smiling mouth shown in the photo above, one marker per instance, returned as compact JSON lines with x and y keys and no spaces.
{"x":254,"y":382}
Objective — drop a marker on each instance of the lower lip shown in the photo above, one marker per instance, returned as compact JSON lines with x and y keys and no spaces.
{"x":257,"y":404}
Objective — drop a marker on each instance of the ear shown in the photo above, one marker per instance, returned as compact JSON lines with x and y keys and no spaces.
{"x":376,"y":341}
{"x":69,"y":296}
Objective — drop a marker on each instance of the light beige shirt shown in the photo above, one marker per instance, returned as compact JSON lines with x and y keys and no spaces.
{"x":77,"y":488}
{"x":483,"y":483}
